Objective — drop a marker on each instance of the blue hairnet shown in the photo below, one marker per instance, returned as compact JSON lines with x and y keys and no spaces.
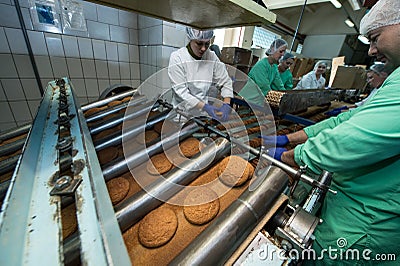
{"x":193,"y":34}
{"x":378,"y":68}
{"x":286,"y":56}
{"x":275,"y":45}
{"x":383,"y":13}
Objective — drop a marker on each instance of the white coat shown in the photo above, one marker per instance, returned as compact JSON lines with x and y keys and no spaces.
{"x":191,"y":79}
{"x":310,"y":81}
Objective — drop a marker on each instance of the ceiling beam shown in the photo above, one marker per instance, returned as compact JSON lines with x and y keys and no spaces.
{"x":276,"y":4}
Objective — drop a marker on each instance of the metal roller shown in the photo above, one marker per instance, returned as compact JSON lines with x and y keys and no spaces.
{"x":116,"y":168}
{"x":223,"y":236}
{"x":108,"y":100}
{"x":136,"y":112}
{"x":12,"y":147}
{"x":137,"y":206}
{"x":116,"y":138}
{"x":15,"y":132}
{"x":114,"y":109}
{"x":8,"y":164}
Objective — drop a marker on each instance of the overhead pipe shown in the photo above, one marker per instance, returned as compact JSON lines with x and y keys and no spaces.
{"x":298,"y":24}
{"x":216,"y":244}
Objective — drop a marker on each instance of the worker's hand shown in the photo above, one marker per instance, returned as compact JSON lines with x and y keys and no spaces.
{"x":211,"y":110}
{"x":276,"y":153}
{"x":336,"y":111}
{"x":278,"y":141}
{"x":225,"y":109}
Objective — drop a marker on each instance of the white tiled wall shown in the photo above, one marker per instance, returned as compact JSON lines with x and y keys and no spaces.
{"x":119,"y":47}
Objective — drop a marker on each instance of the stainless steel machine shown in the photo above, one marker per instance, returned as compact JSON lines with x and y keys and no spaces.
{"x":60,"y":165}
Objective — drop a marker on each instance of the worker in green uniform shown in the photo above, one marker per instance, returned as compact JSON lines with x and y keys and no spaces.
{"x":265,"y":74}
{"x":361,"y":147}
{"x":284,"y":71}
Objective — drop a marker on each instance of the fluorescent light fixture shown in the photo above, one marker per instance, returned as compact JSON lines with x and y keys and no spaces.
{"x":363,"y":39}
{"x":349,"y":23}
{"x":336,"y":3}
{"x":355,"y":4}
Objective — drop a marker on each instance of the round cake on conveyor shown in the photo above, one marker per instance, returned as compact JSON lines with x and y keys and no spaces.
{"x":114,"y":103}
{"x":157,"y":228}
{"x":107,"y":154}
{"x":118,"y":188}
{"x":158,"y":164}
{"x":234,"y":171}
{"x":189,"y":147}
{"x":146,"y":137}
{"x":126,"y":99}
{"x":201,"y":205}
{"x":95,"y":110}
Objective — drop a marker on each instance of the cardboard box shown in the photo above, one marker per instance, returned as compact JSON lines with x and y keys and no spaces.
{"x":236,"y":56}
{"x":306,"y":65}
{"x":349,"y":77}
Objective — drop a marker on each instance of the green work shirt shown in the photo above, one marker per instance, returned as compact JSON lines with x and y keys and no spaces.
{"x":265,"y":76}
{"x":362,"y":148}
{"x":287,"y":79}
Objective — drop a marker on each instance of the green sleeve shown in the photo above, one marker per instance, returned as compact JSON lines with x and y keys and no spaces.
{"x":276,"y":81}
{"x":332,"y":122}
{"x":287,"y":79}
{"x":261,"y":75}
{"x":368,"y":137}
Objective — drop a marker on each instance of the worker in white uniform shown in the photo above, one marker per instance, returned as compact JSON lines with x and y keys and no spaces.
{"x":192,"y":70}
{"x":313,"y":79}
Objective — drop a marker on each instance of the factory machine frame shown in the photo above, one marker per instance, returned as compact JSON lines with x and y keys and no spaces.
{"x":30,"y":219}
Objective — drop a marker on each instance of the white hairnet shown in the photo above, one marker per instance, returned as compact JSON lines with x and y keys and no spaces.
{"x":320,"y":63}
{"x":193,"y":34}
{"x":275,"y":45}
{"x":383,"y":13}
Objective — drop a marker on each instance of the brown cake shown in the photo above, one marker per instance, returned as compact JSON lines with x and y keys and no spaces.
{"x":157,"y":227}
{"x":158,"y":164}
{"x":107,"y":155}
{"x":95,"y":110}
{"x":201,"y":205}
{"x":114,"y":103}
{"x":69,"y":220}
{"x":118,"y":188}
{"x":147,"y":136}
{"x":233,"y":171}
{"x":189,"y":147}
{"x":126,"y":99}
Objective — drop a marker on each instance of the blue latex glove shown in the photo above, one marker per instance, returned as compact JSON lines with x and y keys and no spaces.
{"x":276,"y":153}
{"x":278,"y":141}
{"x":336,"y":111}
{"x":211,"y":110}
{"x":226,"y":110}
